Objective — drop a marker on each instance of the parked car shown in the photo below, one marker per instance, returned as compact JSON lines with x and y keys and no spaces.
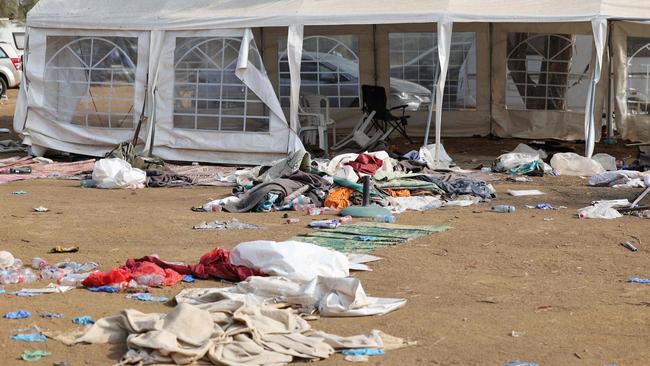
{"x":11,"y":67}
{"x":13,"y":32}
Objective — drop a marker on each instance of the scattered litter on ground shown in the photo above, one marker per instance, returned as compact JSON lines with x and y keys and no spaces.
{"x":30,"y":337}
{"x":52,"y":288}
{"x":188,"y":278}
{"x":503,"y":208}
{"x":575,"y":165}
{"x":61,"y":249}
{"x":19,"y":193}
{"x":363,"y":352}
{"x":50,"y":315}
{"x":34,"y":355}
{"x":520,"y":363}
{"x":516,"y":334}
{"x":599,"y":210}
{"x":40,"y":209}
{"x":356,"y":358}
{"x":145,"y":296}
{"x":117,"y":173}
{"x":524,"y":192}
{"x":629,"y":246}
{"x":83,"y":320}
{"x":20,"y":314}
{"x":638,"y":280}
{"x":103,"y":288}
{"x":233,"y":224}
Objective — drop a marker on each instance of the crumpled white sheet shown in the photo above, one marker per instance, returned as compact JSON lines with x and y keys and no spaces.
{"x":292,"y":259}
{"x":117,"y":173}
{"x":621,"y":179}
{"x":220,"y":202}
{"x":331,"y":296}
{"x":52,"y":288}
{"x":225,"y":332}
{"x":525,"y":149}
{"x":599,"y":211}
{"x":414,"y":203}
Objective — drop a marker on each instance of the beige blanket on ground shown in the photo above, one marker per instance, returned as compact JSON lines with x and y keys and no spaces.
{"x":226,"y":332}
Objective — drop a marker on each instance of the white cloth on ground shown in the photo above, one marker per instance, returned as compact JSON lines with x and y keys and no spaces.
{"x":226,"y":332}
{"x":525,"y":149}
{"x":338,"y":163}
{"x":292,"y":259}
{"x":117,"y":173}
{"x":331,"y":296}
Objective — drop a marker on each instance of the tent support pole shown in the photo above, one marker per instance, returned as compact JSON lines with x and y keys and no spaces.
{"x":374,"y":54}
{"x":610,"y":86}
{"x":490,"y":50}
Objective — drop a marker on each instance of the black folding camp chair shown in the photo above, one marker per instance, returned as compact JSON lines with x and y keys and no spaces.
{"x":374,"y":100}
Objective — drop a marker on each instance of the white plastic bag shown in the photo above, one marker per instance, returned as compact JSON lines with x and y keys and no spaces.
{"x":599,"y":211}
{"x":607,"y":161}
{"x":512,"y":160}
{"x":294,"y":260}
{"x":525,"y":149}
{"x":574,"y":164}
{"x":117,"y":173}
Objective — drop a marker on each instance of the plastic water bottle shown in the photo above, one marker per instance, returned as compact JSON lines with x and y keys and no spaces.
{"x":432,"y":205}
{"x":9,"y":277}
{"x":29,"y":276}
{"x":152,"y":280}
{"x":385,"y":218}
{"x":325,"y":224}
{"x":315,"y":211}
{"x":88,"y":183}
{"x":503,"y":208}
{"x":38,"y":263}
{"x":87,"y":267}
{"x":73,"y":279}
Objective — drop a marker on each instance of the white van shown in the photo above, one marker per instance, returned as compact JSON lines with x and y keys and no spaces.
{"x":13,"y":32}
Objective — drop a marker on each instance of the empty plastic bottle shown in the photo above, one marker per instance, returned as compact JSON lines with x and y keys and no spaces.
{"x":88,"y":183}
{"x":325,"y":224}
{"x":503,"y":208}
{"x":29,"y":276}
{"x":39,"y":263}
{"x":73,"y":279}
{"x":385,"y":218}
{"x":10,"y":277}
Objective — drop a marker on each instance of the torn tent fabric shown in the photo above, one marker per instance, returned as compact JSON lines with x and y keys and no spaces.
{"x":221,"y":333}
{"x":215,"y":264}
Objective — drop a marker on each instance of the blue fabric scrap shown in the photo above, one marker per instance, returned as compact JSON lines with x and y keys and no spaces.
{"x":145,"y":296}
{"x":639,"y":280}
{"x":20,"y":314}
{"x":188,"y":279}
{"x":83,"y":320}
{"x":363,"y":352}
{"x":544,"y":206}
{"x":31,"y":337}
{"x":49,"y":315}
{"x":104,"y":288}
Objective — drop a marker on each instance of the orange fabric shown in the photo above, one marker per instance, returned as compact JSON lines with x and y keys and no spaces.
{"x":398,"y":192}
{"x":338,"y":198}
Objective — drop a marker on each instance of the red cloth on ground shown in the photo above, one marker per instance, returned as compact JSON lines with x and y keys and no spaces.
{"x":115,"y":275}
{"x":137,"y":269}
{"x":215,"y":264}
{"x":366,"y":164}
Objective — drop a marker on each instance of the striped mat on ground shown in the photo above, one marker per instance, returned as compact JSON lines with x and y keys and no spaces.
{"x":366,"y":236}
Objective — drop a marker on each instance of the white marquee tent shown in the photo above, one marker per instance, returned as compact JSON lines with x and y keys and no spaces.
{"x":193,"y":68}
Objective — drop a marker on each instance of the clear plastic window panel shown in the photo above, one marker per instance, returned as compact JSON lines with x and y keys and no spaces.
{"x":207,"y":93}
{"x":637,"y":91}
{"x":548,"y":71}
{"x":414,"y":71}
{"x":90,"y":81}
{"x":329,"y":67}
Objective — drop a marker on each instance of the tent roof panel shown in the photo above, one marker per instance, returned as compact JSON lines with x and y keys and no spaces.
{"x":205,"y":14}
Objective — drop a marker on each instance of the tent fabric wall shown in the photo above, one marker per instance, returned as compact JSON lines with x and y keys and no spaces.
{"x":42,"y":122}
{"x":631,"y":126}
{"x":533,"y":124}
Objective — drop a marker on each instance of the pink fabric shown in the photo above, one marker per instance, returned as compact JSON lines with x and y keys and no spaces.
{"x":42,"y":170}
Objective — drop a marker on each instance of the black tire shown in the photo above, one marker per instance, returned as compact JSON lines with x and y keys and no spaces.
{"x":3,"y":85}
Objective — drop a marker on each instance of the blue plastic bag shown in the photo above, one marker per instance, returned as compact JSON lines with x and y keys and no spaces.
{"x":20,"y":314}
{"x":83,"y":320}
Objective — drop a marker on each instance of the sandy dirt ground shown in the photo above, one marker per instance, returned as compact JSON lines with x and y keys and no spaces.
{"x":557,"y":280}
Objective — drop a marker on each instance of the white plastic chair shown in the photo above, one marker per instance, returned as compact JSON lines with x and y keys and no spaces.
{"x":320,"y":105}
{"x":312,"y":125}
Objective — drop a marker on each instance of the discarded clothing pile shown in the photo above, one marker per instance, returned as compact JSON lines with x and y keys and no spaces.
{"x":42,"y":168}
{"x":225,"y":332}
{"x":133,"y":274}
{"x":233,"y":224}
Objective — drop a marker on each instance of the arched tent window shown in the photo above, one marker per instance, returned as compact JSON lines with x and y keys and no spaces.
{"x":637,"y":92}
{"x":90,"y":81}
{"x":547,"y":71}
{"x":207,"y":93}
{"x":330,"y":67}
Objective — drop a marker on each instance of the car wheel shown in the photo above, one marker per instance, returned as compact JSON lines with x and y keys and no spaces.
{"x":3,"y":86}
